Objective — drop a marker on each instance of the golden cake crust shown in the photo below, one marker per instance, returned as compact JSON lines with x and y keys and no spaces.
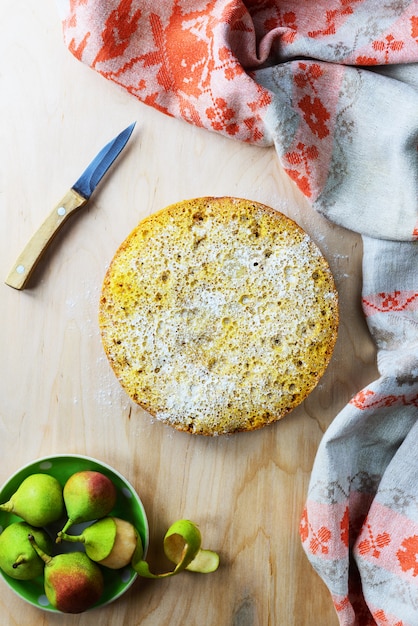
{"x":218,"y":315}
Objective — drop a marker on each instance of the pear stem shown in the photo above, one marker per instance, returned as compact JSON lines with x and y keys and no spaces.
{"x":68,"y":523}
{"x":7,"y":506}
{"x":45,"y":557}
{"x":74,"y":538}
{"x":20,"y":559}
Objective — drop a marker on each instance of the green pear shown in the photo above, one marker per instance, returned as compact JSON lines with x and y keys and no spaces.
{"x":38,"y":500}
{"x":18,"y":559}
{"x":88,"y":495}
{"x":110,"y":541}
{"x":73,"y":583}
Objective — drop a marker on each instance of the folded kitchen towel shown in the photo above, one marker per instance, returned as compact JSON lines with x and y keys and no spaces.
{"x":360,"y":524}
{"x":333,"y":85}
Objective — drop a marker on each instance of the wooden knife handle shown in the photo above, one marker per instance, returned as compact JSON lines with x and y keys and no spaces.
{"x":36,"y":246}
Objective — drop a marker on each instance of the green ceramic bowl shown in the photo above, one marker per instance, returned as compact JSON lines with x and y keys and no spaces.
{"x":128,"y":506}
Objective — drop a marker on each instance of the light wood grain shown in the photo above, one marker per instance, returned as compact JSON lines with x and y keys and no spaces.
{"x":58,"y":393}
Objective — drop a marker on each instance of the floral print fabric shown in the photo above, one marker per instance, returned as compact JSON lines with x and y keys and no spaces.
{"x":333,"y":85}
{"x":324,"y":82}
{"x":360,"y":524}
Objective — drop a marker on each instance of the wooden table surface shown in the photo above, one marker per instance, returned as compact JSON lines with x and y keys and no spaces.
{"x":57,"y":391}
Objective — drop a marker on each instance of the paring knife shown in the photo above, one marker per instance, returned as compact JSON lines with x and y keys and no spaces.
{"x":74,"y":199}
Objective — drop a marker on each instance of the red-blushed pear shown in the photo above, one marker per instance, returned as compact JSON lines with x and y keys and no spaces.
{"x":110,"y":541}
{"x":73,"y":583}
{"x":88,"y":495}
{"x":18,"y":559}
{"x":38,"y":500}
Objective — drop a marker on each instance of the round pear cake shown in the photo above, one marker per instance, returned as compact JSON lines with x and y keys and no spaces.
{"x":218,"y":315}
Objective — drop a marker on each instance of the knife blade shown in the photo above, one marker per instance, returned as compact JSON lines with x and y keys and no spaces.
{"x":75,"y":198}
